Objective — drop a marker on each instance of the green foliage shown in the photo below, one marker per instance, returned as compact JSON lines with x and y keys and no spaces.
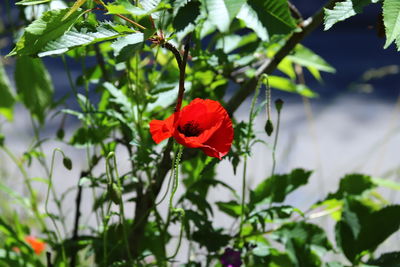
{"x":82,"y":37}
{"x":391,"y":16}
{"x":131,"y":55}
{"x":344,"y":10}
{"x":7,"y":99}
{"x":47,"y":28}
{"x":278,"y":186}
{"x":222,"y":12}
{"x":362,"y":228}
{"x":302,"y":241}
{"x":353,"y":185}
{"x":34,"y":86}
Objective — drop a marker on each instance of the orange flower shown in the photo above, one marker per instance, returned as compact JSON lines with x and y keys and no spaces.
{"x":37,"y":245}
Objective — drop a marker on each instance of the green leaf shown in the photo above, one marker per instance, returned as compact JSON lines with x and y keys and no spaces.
{"x":76,"y":38}
{"x":34,"y":86}
{"x":344,"y":10}
{"x":307,"y":58}
{"x":232,"y":208}
{"x":125,"y":47}
{"x":353,"y":184}
{"x":7,"y":99}
{"x":47,"y":28}
{"x":386,"y":183}
{"x":274,"y":15}
{"x":222,"y":12}
{"x":166,"y":98}
{"x":301,"y":240}
{"x":391,"y":19}
{"x":378,"y":227}
{"x":289,"y":86}
{"x":186,"y":15}
{"x":31,"y":2}
{"x":250,"y":18}
{"x":278,"y":186}
{"x":75,"y":7}
{"x":362,"y":229}
{"x":126,"y":7}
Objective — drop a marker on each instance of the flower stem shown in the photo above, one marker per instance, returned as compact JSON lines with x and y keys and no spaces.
{"x":247,"y":148}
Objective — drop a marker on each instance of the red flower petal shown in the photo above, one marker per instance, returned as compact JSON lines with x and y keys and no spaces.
{"x":161,"y":130}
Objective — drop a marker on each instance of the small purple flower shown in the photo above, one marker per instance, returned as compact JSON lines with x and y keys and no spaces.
{"x":231,"y":258}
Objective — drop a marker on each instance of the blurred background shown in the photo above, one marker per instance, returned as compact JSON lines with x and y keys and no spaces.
{"x":353,"y":126}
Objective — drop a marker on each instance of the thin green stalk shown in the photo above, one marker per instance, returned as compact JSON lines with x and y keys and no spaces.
{"x":275,"y":144}
{"x":47,"y":201}
{"x":176,"y":176}
{"x":175,"y":183}
{"x":247,"y":148}
{"x":49,"y":174}
{"x":179,"y":240}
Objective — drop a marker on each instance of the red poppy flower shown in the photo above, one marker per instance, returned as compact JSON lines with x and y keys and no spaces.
{"x":203,"y":124}
{"x":37,"y":245}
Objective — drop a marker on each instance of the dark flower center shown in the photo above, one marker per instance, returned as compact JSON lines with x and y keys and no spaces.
{"x":190,"y":129}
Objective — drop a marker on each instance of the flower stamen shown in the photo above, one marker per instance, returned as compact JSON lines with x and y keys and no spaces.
{"x":190,"y":129}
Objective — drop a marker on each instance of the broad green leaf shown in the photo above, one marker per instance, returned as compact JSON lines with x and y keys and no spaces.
{"x":353,"y":184}
{"x":303,"y":242}
{"x":378,"y":227}
{"x":306,"y":233}
{"x":166,"y":98}
{"x":186,"y":15}
{"x":76,"y":38}
{"x":362,"y":229}
{"x":47,"y":28}
{"x":286,"y":66}
{"x":150,"y":6}
{"x":34,"y":86}
{"x":31,"y":2}
{"x":7,"y":99}
{"x":120,"y":98}
{"x":391,"y":19}
{"x":222,"y":12}
{"x":232,"y":208}
{"x":75,"y":7}
{"x":344,"y":10}
{"x":278,"y":186}
{"x":125,"y":47}
{"x":250,"y":18}
{"x":274,"y":15}
{"x":289,"y":86}
{"x":307,"y":58}
{"x":231,"y":42}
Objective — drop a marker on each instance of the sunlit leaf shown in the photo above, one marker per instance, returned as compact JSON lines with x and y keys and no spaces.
{"x":47,"y":28}
{"x":391,"y":19}
{"x":222,"y":12}
{"x":344,"y":10}
{"x":82,"y":37}
{"x":305,"y":57}
{"x":31,"y":2}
